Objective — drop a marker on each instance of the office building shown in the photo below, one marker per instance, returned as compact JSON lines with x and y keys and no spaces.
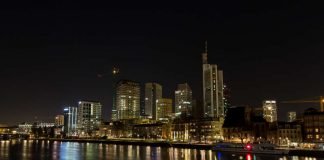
{"x":270,"y":110}
{"x":59,"y":120}
{"x":89,"y":116}
{"x":70,"y":120}
{"x":183,"y":100}
{"x":213,"y":96}
{"x":153,"y":91}
{"x":163,"y":108}
{"x":127,"y":100}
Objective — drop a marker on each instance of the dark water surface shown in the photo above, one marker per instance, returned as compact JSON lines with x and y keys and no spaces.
{"x":39,"y":150}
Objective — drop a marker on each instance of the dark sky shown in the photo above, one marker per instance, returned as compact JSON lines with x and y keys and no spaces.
{"x":52,"y":52}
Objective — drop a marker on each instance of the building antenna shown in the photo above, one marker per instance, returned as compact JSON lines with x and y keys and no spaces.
{"x":206,"y":46}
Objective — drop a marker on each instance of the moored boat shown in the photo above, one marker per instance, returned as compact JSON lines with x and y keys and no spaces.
{"x":263,"y":148}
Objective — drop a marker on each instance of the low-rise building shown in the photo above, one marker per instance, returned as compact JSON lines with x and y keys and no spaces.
{"x":150,"y":131}
{"x":24,"y":128}
{"x":289,"y":133}
{"x":205,"y":130}
{"x":313,"y":125}
{"x":237,"y":125}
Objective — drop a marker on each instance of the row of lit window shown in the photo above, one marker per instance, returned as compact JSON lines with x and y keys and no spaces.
{"x":287,"y":131}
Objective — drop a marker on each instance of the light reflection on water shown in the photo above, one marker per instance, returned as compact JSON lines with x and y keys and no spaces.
{"x":37,"y":149}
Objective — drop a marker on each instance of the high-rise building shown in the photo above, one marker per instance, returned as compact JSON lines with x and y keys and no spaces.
{"x":115,"y":73}
{"x":213,"y":95}
{"x":183,"y":100}
{"x":270,"y":110}
{"x":153,"y":91}
{"x":59,"y":120}
{"x":291,"y":116}
{"x":70,"y":120}
{"x":127,"y":100}
{"x":89,"y":116}
{"x":163,"y":108}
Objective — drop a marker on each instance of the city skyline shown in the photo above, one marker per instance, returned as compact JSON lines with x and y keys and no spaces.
{"x":54,"y":57}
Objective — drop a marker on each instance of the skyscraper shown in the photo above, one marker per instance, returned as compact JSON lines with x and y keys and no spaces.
{"x":153,"y":91}
{"x":270,"y":110}
{"x":163,"y":108}
{"x":70,"y":120}
{"x":115,"y":72}
{"x":89,"y":116}
{"x":213,"y":96}
{"x":127,"y":99}
{"x":183,"y":100}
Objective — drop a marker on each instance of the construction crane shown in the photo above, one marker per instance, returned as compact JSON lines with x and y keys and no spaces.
{"x":320,"y":101}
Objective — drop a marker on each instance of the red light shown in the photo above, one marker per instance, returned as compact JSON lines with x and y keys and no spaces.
{"x":248,"y":157}
{"x":248,"y":146}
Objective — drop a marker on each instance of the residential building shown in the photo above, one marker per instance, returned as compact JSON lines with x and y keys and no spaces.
{"x":89,"y":117}
{"x":313,"y":125}
{"x":289,"y":133}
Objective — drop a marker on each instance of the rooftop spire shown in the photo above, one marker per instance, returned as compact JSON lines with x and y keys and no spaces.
{"x":204,"y":55}
{"x":206,"y":46}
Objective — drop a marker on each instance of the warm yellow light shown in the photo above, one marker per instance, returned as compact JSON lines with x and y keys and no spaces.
{"x":115,"y":71}
{"x":322,"y":100}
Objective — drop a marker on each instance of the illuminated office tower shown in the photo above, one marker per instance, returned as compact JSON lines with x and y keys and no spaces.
{"x":127,"y":100}
{"x":59,"y":120}
{"x":70,"y":120}
{"x":153,"y":91}
{"x":183,"y":100}
{"x":163,"y":108}
{"x":270,"y":110}
{"x":213,"y":95}
{"x":89,"y":116}
{"x":292,"y":116}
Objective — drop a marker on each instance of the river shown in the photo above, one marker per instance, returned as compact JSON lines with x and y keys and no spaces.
{"x":46,"y":150}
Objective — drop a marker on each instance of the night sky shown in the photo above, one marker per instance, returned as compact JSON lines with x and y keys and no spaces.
{"x":52,"y":53}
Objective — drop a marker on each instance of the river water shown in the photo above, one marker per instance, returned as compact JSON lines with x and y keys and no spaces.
{"x":46,"y":150}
